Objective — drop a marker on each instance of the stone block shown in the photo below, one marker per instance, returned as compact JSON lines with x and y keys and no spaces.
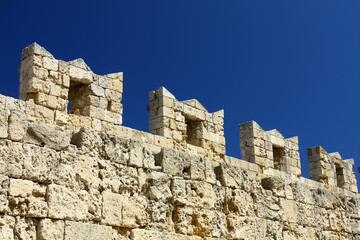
{"x":34,"y":49}
{"x":11,"y":158}
{"x":123,"y":211}
{"x":47,"y":135}
{"x":50,"y":63}
{"x":174,"y":162}
{"x":4,"y":188}
{"x":140,"y":234}
{"x":3,"y":123}
{"x":80,"y":75}
{"x":290,"y":210}
{"x":17,"y":125}
{"x":94,"y":112}
{"x":66,"y":203}
{"x":49,"y":229}
{"x":61,"y":118}
{"x":46,"y":100}
{"x":117,"y":85}
{"x":112,"y":95}
{"x":246,"y":227}
{"x":20,"y":188}
{"x":25,"y":228}
{"x":105,"y":82}
{"x":96,"y":90}
{"x":7,"y":226}
{"x":79,"y":230}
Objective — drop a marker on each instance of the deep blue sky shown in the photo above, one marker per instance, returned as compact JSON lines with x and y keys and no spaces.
{"x":289,"y":65}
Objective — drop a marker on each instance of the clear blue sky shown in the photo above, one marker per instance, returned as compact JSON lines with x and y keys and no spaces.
{"x":289,"y":65}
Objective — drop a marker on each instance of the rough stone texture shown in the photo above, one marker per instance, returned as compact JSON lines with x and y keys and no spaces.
{"x":81,"y":175}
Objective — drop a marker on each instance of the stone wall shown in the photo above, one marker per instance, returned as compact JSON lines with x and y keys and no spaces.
{"x":66,"y":181}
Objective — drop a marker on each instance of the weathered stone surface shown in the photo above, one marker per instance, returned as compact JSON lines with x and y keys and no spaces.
{"x":50,"y":229}
{"x":20,"y":188}
{"x":25,"y":228}
{"x":65,"y":203}
{"x":47,"y":135}
{"x":3,"y":123}
{"x":139,"y":234}
{"x":80,"y":75}
{"x":17,"y":125}
{"x":7,"y":225}
{"x":123,"y":211}
{"x":78,"y":230}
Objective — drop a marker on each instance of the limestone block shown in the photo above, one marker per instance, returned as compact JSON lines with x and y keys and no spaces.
{"x":34,"y":49}
{"x":115,"y":107}
{"x":276,"y":184}
{"x":40,"y":163}
{"x":197,"y":168}
{"x":11,"y":158}
{"x":50,"y":63}
{"x":80,"y":75}
{"x":290,"y":210}
{"x":246,"y":227}
{"x":113,"y":117}
{"x":65,"y":80}
{"x":200,"y":194}
{"x":230,"y":176}
{"x":123,"y":211}
{"x":47,"y":135}
{"x":17,"y":125}
{"x":25,"y":228}
{"x":118,"y":178}
{"x":94,"y":112}
{"x":166,"y":112}
{"x":267,"y":206}
{"x":140,"y":234}
{"x":96,"y":90}
{"x":7,"y":225}
{"x":104,"y":82}
{"x":182,"y":216}
{"x":4,"y":188}
{"x":37,"y":72}
{"x":203,"y":222}
{"x":20,"y":188}
{"x":44,"y":113}
{"x":112,"y":95}
{"x":63,"y":67}
{"x":174,"y":162}
{"x":49,"y":229}
{"x":159,"y":189}
{"x":61,"y":118}
{"x":3,"y":123}
{"x":33,"y":60}
{"x":78,"y":230}
{"x":65,"y":203}
{"x":326,"y":198}
{"x":46,"y":100}
{"x":86,"y":137}
{"x":302,"y":193}
{"x":239,"y":202}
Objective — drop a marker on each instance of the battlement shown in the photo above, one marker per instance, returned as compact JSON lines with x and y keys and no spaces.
{"x":69,"y":94}
{"x":70,"y":170}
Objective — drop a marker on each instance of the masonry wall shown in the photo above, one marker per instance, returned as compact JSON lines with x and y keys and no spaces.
{"x":61,"y":182}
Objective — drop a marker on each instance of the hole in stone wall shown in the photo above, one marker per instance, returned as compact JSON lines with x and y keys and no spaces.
{"x":109,"y":106}
{"x":77,"y":98}
{"x":339,"y":175}
{"x":278,"y":155}
{"x":193,"y":131}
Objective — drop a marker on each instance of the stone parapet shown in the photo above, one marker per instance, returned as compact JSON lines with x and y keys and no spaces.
{"x":75,"y":173}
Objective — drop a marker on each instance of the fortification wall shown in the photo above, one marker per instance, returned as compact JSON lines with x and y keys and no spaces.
{"x":75,"y":181}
